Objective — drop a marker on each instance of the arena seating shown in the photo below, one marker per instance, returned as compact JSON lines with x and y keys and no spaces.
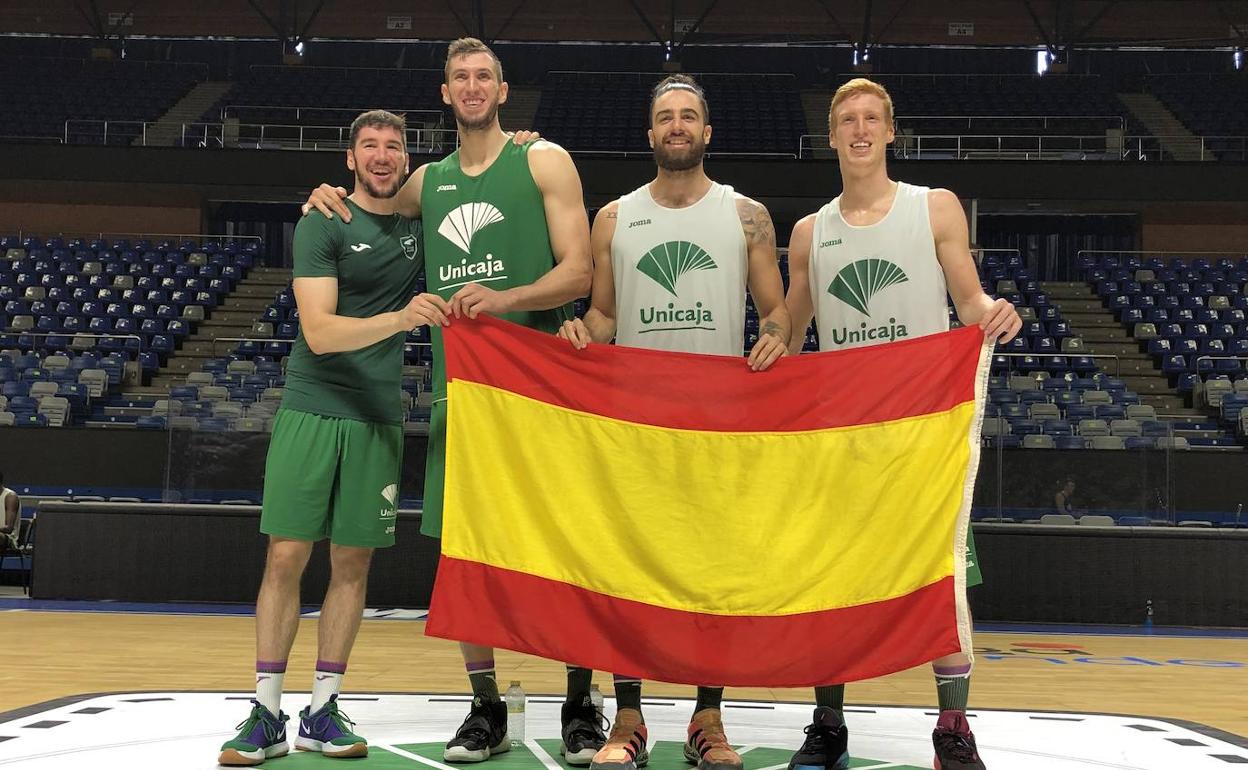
{"x":1071,"y":112}
{"x":40,"y":95}
{"x":1190,"y":314}
{"x":270,"y":94}
{"x":606,"y":111}
{"x":1211,"y":105}
{"x":77,"y":312}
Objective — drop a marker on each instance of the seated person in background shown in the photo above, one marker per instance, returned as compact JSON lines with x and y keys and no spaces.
{"x":10,"y":516}
{"x":1062,"y":500}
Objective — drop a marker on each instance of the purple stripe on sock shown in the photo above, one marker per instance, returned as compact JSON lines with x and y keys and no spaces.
{"x":479,"y":667}
{"x":329,"y":667}
{"x":952,"y":671}
{"x":625,"y":678}
{"x":270,"y":667}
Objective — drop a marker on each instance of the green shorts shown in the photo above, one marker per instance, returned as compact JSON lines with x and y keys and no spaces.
{"x":973,"y":576}
{"x":435,"y":472}
{"x":331,"y":477}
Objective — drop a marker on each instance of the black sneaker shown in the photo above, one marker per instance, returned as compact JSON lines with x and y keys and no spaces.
{"x":583,"y":732}
{"x":482,"y":734}
{"x":826,"y":745}
{"x":955,"y":743}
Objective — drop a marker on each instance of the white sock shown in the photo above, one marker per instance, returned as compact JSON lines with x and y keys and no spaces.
{"x":269,"y":690}
{"x":325,"y":685}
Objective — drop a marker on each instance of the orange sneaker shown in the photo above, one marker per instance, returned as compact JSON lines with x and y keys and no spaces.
{"x":625,"y":748}
{"x":707,"y":746}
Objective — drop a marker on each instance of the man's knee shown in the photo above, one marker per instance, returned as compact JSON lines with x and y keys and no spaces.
{"x":287,"y":558}
{"x":349,"y":563}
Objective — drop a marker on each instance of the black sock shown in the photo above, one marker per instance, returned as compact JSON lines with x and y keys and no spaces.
{"x":578,"y":684}
{"x":832,"y":696}
{"x":708,"y":698}
{"x":627,"y":692}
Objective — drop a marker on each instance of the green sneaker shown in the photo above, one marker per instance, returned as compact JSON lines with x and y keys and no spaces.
{"x":329,"y":732}
{"x":260,"y":736}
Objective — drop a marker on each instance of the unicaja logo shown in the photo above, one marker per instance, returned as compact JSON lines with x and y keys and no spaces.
{"x":391,"y":495}
{"x":667,"y":262}
{"x":462,"y":224}
{"x":857,"y":283}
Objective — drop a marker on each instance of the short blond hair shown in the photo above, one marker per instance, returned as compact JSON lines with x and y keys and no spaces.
{"x":861,"y":86}
{"x":470,"y":45}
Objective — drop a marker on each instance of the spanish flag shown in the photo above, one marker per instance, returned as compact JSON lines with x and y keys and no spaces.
{"x":683,"y":519}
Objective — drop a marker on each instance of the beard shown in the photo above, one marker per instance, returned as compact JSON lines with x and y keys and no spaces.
{"x":479,"y":124}
{"x":680,"y":161}
{"x":388,"y":192}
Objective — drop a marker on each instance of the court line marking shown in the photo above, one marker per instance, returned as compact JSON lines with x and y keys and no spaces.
{"x":542,"y":755}
{"x":415,"y":757}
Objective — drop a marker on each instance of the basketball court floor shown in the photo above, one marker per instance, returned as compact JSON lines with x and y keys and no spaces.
{"x":106,"y":684}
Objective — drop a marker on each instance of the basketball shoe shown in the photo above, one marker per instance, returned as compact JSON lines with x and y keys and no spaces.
{"x":625,"y":749}
{"x":706,"y":746}
{"x":582,"y":734}
{"x":260,"y":736}
{"x":329,"y":732}
{"x":482,"y":735}
{"x":955,"y":743}
{"x":826,"y":744}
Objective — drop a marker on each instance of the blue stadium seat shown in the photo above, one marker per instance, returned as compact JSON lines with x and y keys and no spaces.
{"x":1004,"y":442}
{"x":1058,"y":428}
{"x":1013,"y":411}
{"x":1110,"y":412}
{"x":213,"y":425}
{"x":1025,"y":427}
{"x":1076,"y":412}
{"x":1174,"y":365}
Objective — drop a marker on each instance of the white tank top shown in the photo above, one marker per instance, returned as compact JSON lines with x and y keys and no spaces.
{"x":680,"y":274}
{"x":5,"y":492}
{"x":878,"y":283}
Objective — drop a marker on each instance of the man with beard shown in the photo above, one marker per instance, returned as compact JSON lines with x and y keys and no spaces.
{"x":509,"y":237}
{"x":336,"y":453}
{"x":672,"y":260}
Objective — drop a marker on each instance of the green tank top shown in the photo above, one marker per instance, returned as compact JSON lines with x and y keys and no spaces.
{"x":488,"y":229}
{"x":377,"y":261}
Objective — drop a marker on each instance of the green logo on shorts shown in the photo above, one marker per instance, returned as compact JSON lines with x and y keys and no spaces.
{"x":391,"y":496}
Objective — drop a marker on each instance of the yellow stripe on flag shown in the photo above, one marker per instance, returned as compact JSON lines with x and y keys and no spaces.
{"x":641,"y":512}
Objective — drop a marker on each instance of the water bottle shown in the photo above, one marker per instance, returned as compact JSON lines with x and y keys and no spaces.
{"x":595,"y":697}
{"x":1148,"y":614}
{"x":515,"y":713}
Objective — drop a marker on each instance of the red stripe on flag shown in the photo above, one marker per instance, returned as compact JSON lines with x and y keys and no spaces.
{"x":573,"y":625}
{"x":919,"y":376}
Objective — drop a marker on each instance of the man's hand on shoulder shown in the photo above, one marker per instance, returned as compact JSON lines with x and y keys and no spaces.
{"x":329,"y":201}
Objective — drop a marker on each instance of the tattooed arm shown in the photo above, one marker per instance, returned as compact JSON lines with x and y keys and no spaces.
{"x":765,"y":284}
